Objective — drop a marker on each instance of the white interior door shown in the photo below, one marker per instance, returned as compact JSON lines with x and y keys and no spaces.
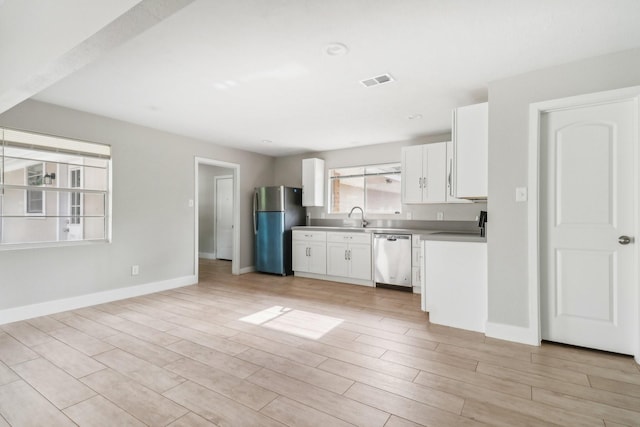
{"x":75,"y":226}
{"x":224,"y":218}
{"x":587,"y":193}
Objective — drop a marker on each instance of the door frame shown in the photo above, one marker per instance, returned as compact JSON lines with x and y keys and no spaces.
{"x":533,"y":334}
{"x":235,"y":262}
{"x":215,"y":209}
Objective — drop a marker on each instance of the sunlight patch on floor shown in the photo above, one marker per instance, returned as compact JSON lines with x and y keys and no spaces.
{"x":296,"y":322}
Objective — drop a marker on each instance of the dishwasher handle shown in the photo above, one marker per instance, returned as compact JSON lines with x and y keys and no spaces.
{"x":392,"y":237}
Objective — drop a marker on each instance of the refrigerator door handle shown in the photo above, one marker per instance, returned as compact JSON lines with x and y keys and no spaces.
{"x":255,"y":206}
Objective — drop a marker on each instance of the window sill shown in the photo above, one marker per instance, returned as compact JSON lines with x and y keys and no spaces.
{"x":41,"y":245}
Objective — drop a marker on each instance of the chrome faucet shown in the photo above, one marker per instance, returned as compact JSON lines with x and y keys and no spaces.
{"x":364,"y":221}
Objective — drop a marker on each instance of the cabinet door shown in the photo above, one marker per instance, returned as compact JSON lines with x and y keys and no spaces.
{"x":451,"y":198}
{"x":412,"y":174}
{"x":337,"y":259}
{"x":300,"y":260}
{"x":360,"y":261}
{"x":435,"y":184}
{"x":312,"y":182}
{"x":471,"y":139}
{"x":317,"y":257}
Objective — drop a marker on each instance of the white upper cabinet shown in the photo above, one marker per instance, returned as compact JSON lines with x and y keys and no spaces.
{"x":451,"y":198}
{"x":424,"y":173}
{"x":312,"y":182}
{"x":471,"y":146}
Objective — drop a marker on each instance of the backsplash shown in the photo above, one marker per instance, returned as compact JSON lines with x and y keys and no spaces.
{"x":400,"y":223}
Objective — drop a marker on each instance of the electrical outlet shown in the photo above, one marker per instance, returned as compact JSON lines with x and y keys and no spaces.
{"x":190,"y":203}
{"x":521,"y":194}
{"x":440,"y":216}
{"x":135,"y":270}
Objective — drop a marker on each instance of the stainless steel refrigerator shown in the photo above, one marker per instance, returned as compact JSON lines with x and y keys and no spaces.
{"x":275,"y":211}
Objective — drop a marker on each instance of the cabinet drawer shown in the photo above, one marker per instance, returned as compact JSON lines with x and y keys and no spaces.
{"x":340,"y":237}
{"x":318,"y":236}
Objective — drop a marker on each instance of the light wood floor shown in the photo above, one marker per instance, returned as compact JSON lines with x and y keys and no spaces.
{"x":260,"y":350}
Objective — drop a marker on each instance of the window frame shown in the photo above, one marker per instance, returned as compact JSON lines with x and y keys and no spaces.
{"x":36,"y":148}
{"x":364,"y":175}
{"x":43,"y":195}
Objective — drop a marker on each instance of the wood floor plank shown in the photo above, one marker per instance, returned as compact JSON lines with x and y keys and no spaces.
{"x":544,"y":370}
{"x":331,"y":403}
{"x":237,"y":366}
{"x":527,"y":407}
{"x":191,"y":420}
{"x":57,"y":386}
{"x":72,"y":361}
{"x":98,"y":412}
{"x":292,"y":353}
{"x":145,"y":373}
{"x":594,"y":409}
{"x":81,"y":341}
{"x":582,"y":392}
{"x":310,"y":375}
{"x":13,"y":351}
{"x":587,"y":369}
{"x":428,"y":355}
{"x":7,"y":375}
{"x":498,"y":416}
{"x":395,"y":421}
{"x":293,"y":413}
{"x":471,"y":377}
{"x":155,"y":354}
{"x":390,"y":368}
{"x":406,"y":408}
{"x":88,"y":326}
{"x":146,"y":405}
{"x":242,"y":391}
{"x":21,"y":405}
{"x":25,"y":333}
{"x":218,"y":409}
{"x":445,"y":401}
{"x":211,"y":341}
{"x":615,"y":386}
{"x":46,"y":323}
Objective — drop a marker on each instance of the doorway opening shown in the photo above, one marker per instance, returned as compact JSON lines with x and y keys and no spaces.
{"x":217,"y":231}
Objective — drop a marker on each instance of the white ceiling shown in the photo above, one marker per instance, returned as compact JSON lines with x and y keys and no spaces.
{"x":239,"y":72}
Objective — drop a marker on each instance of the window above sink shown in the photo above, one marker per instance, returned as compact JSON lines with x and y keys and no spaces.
{"x":375,"y":188}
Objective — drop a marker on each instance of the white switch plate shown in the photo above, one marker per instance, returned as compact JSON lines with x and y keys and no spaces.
{"x":521,"y":194}
{"x":190,"y":203}
{"x":440,"y":216}
{"x":135,"y":270}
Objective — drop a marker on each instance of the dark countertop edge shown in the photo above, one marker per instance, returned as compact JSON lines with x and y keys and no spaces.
{"x":424,"y":234}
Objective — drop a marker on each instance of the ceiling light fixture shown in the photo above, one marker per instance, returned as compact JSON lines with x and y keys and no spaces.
{"x":415,"y":116}
{"x":267,"y":141}
{"x":336,"y":49}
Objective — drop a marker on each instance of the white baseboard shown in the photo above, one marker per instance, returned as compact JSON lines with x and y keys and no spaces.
{"x":50,"y":307}
{"x":246,"y":270}
{"x":207,"y":255}
{"x":518,"y":334}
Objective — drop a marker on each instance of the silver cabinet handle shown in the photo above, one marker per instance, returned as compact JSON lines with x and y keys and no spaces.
{"x":420,"y":182}
{"x":349,"y":254}
{"x":625,"y":240}
{"x":345,"y":254}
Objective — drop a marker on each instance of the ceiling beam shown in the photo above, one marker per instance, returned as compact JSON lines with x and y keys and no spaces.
{"x":35,"y":57}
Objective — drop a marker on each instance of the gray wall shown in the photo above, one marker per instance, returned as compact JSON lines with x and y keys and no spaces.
{"x":288,"y":171}
{"x":207,"y":206}
{"x":509,"y":101}
{"x":153,"y":225}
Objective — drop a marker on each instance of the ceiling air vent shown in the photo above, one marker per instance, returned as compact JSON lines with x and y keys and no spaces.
{"x":378,"y":80}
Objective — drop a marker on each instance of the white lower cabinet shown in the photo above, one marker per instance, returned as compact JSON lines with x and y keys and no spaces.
{"x":309,"y":252}
{"x":416,"y":265}
{"x":454,"y":283}
{"x":349,"y":255}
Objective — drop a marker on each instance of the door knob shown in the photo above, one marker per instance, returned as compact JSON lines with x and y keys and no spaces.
{"x":624,"y":240}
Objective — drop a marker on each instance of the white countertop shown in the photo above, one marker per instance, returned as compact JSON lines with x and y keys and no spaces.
{"x":451,"y":236}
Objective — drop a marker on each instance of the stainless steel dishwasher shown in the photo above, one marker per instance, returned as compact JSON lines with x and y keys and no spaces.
{"x":392,"y":259}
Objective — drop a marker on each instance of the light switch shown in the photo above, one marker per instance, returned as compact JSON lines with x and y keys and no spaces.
{"x":190,"y":203}
{"x":521,"y":194}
